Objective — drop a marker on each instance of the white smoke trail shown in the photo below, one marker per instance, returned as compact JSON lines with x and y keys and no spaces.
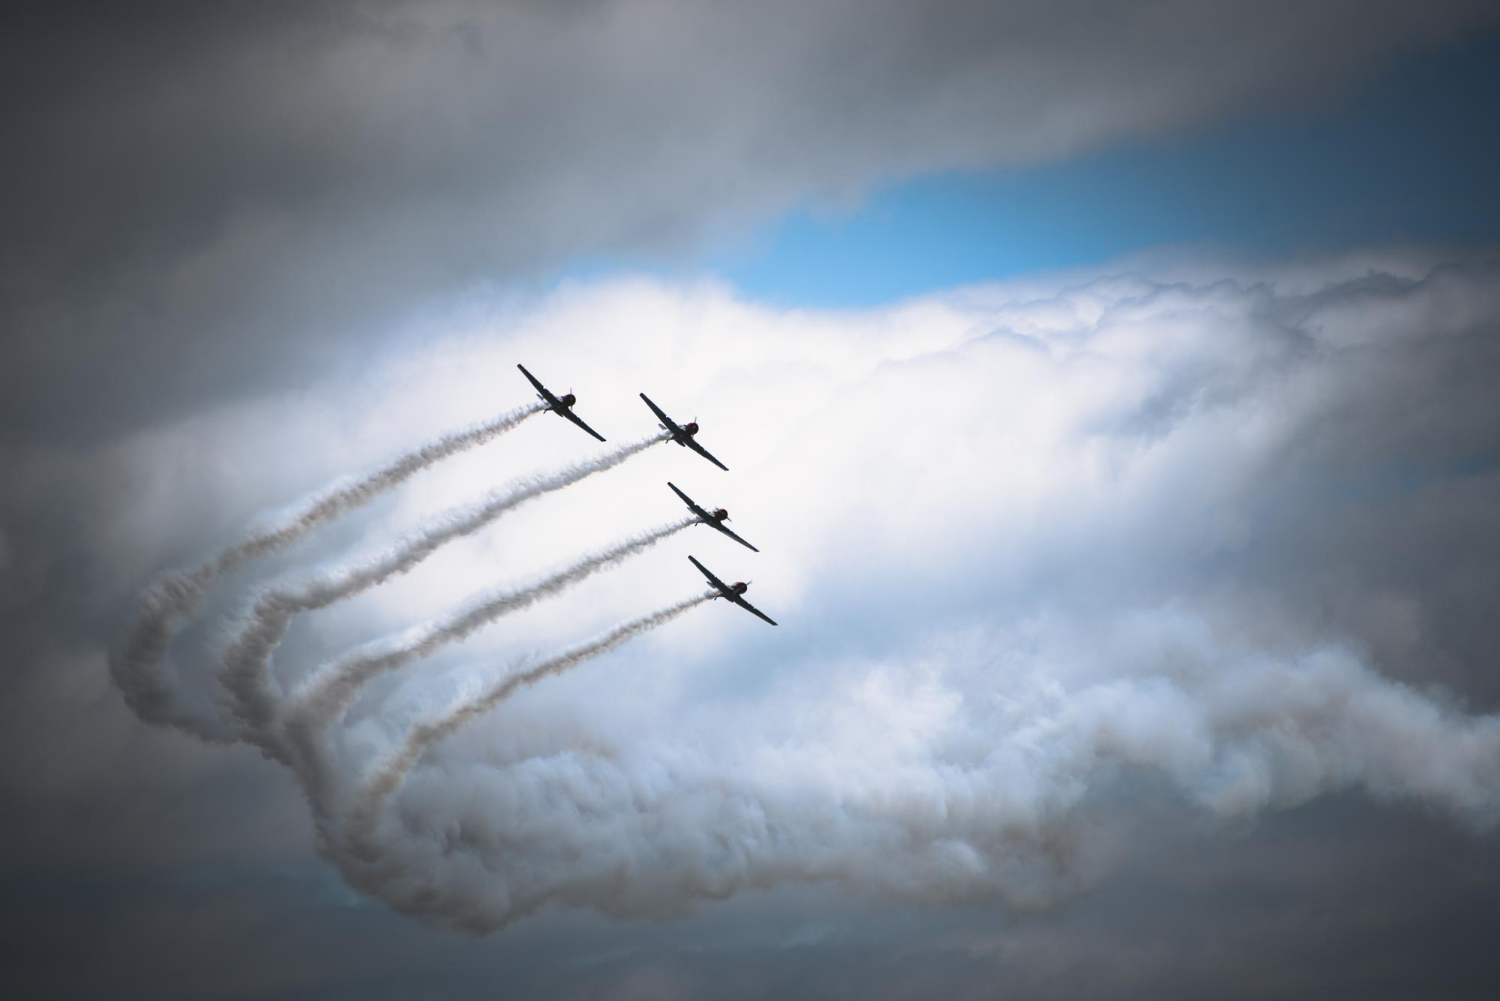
{"x":245,"y":670}
{"x":138,"y":666}
{"x":386,"y":777}
{"x":318,"y":702}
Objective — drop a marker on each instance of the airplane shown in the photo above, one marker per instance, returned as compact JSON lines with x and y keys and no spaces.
{"x":561,"y":406}
{"x":713,"y":519}
{"x":683,"y":434}
{"x":734,"y":592}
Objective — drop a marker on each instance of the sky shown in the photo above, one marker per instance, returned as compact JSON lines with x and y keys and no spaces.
{"x":1268,"y":181}
{"x":1108,"y":390}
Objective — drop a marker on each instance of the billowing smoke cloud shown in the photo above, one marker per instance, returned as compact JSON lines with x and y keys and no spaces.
{"x":321,"y":698}
{"x":907,"y":789}
{"x":245,"y":670}
{"x":372,"y":797}
{"x":1219,"y":542}
{"x":139,"y":665}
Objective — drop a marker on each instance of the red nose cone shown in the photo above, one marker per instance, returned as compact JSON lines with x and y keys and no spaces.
{"x":569,"y":399}
{"x":741,"y":587}
{"x":721,"y":515}
{"x":692,"y":427}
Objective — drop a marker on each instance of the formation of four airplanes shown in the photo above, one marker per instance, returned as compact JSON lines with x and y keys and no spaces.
{"x":682,"y":434}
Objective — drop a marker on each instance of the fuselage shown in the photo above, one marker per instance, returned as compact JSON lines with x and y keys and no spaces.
{"x":731,"y":591}
{"x":557,"y":403}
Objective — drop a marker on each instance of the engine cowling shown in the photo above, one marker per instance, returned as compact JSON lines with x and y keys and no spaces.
{"x":721,"y":515}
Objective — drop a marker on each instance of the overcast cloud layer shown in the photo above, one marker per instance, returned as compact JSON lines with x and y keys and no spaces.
{"x":195,"y":196}
{"x":1223,"y":537}
{"x":1128,"y":503}
{"x":1137,"y":624}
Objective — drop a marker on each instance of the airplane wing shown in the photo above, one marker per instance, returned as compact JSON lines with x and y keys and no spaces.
{"x":716,"y":582}
{"x":692,"y":443}
{"x":579,"y":421}
{"x":720,"y":526}
{"x":670,"y":424}
{"x":692,"y":505}
{"x":751,"y":608}
{"x":539,"y":387}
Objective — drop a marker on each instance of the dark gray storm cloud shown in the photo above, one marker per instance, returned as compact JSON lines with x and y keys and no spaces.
{"x":199,"y":199}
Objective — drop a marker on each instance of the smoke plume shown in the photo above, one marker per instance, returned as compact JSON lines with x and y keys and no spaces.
{"x":322,"y":697}
{"x":245,"y":670}
{"x":386,"y":778}
{"x":139,"y":667}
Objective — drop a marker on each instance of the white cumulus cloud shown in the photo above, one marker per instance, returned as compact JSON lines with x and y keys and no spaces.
{"x":1030,"y":552}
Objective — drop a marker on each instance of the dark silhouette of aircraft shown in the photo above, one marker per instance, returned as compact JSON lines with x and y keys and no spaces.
{"x":682,"y":434}
{"x":562,"y":406}
{"x":733,"y":592}
{"x":713,"y":519}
